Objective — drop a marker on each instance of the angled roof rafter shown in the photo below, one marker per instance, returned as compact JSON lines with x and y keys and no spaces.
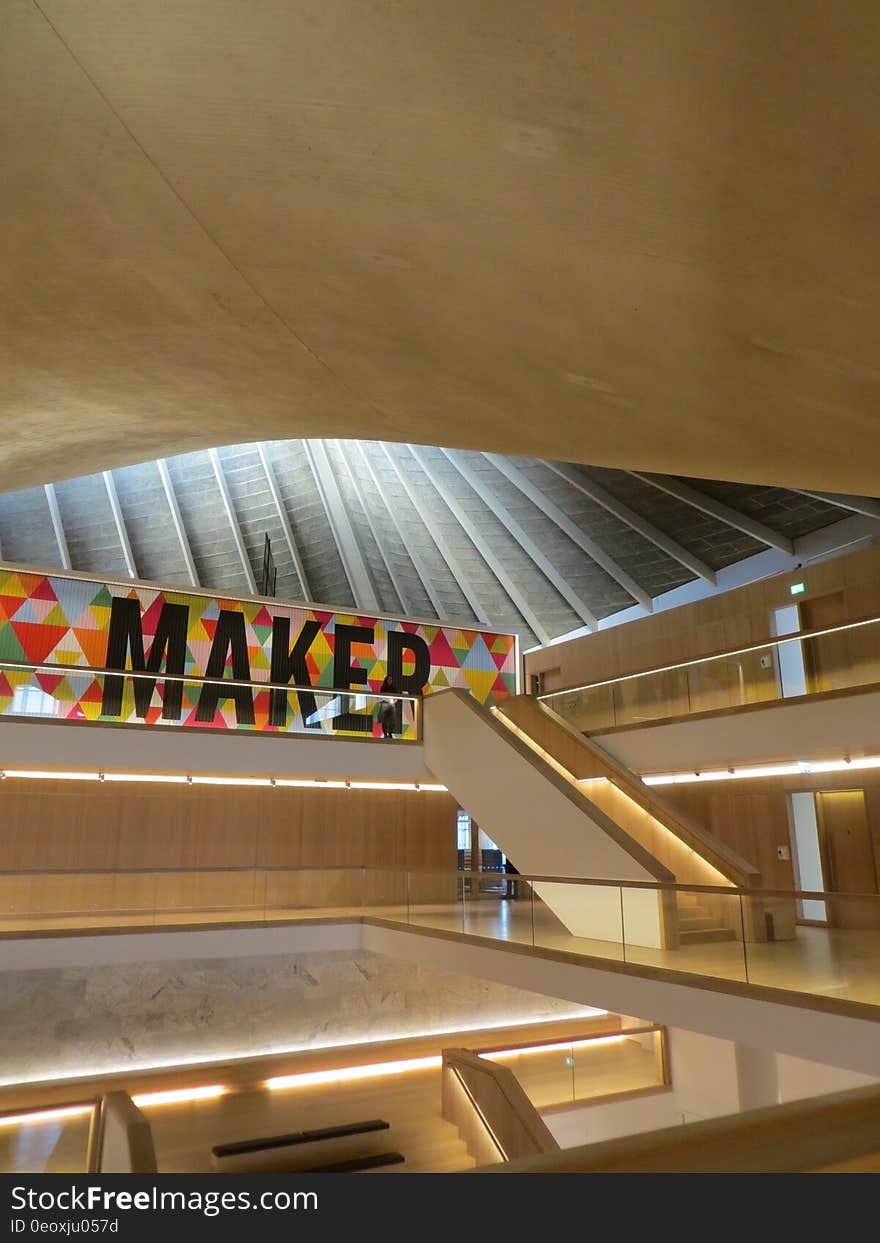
{"x":504,"y":578}
{"x":569,"y":528}
{"x":284,"y":519}
{"x":217,"y":467}
{"x":634,"y":521}
{"x":554,"y":576}
{"x":119,"y":521}
{"x":360,"y":580}
{"x":465,"y":585}
{"x":698,"y":499}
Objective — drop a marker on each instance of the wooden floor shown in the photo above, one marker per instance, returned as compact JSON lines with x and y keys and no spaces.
{"x":185,"y":1134}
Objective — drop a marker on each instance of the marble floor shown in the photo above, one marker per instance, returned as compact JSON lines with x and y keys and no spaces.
{"x":830,"y":962}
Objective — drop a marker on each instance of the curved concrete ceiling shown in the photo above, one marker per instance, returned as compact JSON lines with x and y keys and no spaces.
{"x":640,"y":235}
{"x":543,"y":548}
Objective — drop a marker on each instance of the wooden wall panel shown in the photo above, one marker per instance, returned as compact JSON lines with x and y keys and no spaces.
{"x":69,"y":827}
{"x":752,"y":816}
{"x":716,"y":624}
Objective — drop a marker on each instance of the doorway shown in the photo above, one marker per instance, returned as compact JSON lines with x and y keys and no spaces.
{"x":847,"y":856}
{"x":791,"y":672}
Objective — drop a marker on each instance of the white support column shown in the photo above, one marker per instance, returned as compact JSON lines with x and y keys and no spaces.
{"x":757,"y":1077}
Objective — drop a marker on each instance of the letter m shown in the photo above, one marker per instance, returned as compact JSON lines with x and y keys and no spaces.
{"x":126,"y":636}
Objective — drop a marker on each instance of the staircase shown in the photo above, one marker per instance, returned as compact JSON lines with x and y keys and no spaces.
{"x":697,"y":925}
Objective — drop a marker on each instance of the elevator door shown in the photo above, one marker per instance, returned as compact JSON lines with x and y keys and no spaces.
{"x":848,"y":857}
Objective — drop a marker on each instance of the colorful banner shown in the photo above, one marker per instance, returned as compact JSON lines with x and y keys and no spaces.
{"x":54,"y":620}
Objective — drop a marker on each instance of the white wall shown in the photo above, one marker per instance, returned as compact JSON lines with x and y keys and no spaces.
{"x":719,"y":1009}
{"x":799,"y":1078}
{"x":118,"y":748}
{"x":704,"y":1076}
{"x":521,"y":803}
{"x":814,"y":728}
{"x":591,"y":1123}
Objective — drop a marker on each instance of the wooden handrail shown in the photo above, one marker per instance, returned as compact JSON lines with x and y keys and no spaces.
{"x":98,"y":671}
{"x":795,"y":637}
{"x":841,"y":1130}
{"x":426,"y":870}
{"x":532,"y":716}
{"x":493,"y":1100}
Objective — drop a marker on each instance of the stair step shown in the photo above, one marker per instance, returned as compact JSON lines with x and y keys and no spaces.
{"x":705,"y":935}
{"x":696,"y":923}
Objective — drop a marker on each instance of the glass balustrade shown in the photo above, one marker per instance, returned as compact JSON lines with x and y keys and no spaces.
{"x":838,"y":658}
{"x":749,"y":936}
{"x":565,"y":1072}
{"x":56,"y":1139}
{"x":56,"y":692}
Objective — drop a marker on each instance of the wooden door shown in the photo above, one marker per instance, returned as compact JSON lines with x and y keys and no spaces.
{"x":827,"y":657}
{"x":847,"y":857}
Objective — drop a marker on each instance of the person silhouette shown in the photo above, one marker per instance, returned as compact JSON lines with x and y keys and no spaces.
{"x":388,"y":708}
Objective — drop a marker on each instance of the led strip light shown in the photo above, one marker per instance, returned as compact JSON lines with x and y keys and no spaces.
{"x":793,"y":768}
{"x":181,"y":779}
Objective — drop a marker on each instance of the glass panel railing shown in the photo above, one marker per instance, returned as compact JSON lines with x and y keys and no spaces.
{"x":565,"y":1072}
{"x":579,"y":917}
{"x":701,"y":932}
{"x":546,"y":1074}
{"x":608,"y":1065}
{"x":51,"y":1140}
{"x":751,"y":936}
{"x":840,"y":960}
{"x":64,"y":693}
{"x":289,"y":893}
{"x":836,"y":658}
{"x":498,"y":905}
{"x":436,"y":900}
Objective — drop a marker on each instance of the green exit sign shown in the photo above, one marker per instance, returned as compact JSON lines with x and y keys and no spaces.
{"x":797,"y":589}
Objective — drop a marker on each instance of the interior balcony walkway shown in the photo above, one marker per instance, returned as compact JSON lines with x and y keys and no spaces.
{"x":838,"y":963}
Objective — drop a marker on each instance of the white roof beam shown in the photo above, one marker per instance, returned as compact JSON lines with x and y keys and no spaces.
{"x":57,"y":526}
{"x":177,"y":520}
{"x":411,"y":551}
{"x":360,"y":580}
{"x":217,"y":467}
{"x":865,"y":505}
{"x":569,"y":528}
{"x":359,"y":492}
{"x":525,"y":541}
{"x":492,"y":562}
{"x":717,"y":509}
{"x":633,"y":520}
{"x":465,"y":585}
{"x":283,"y":518}
{"x":119,"y":520}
